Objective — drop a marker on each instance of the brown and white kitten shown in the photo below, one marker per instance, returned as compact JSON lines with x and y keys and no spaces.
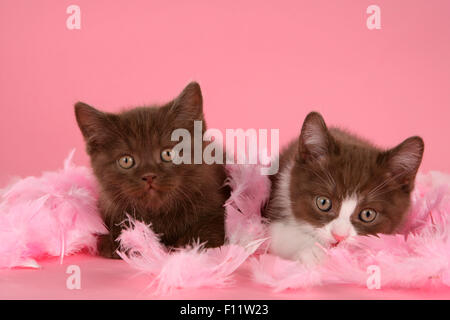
{"x":131,"y":156}
{"x":333,"y":185}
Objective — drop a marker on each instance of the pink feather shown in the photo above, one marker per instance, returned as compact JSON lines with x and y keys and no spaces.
{"x":190,"y":267}
{"x":250,"y":192}
{"x":53,"y":215}
{"x":56,"y":215}
{"x":195,"y":267}
{"x":418,"y":256}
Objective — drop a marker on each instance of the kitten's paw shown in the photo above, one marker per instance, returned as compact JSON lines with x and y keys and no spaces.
{"x":311,"y":256}
{"x":107,"y":247}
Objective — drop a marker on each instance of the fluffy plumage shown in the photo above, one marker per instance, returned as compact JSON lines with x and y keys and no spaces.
{"x":417,"y":256}
{"x":52,"y":215}
{"x":249,"y":193}
{"x":56,"y":215}
{"x":194,"y":266}
{"x":190,"y":267}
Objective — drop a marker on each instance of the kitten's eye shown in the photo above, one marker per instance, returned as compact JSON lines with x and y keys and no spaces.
{"x":126,"y":162}
{"x":323,"y":203}
{"x":166,"y":155}
{"x":367,"y":215}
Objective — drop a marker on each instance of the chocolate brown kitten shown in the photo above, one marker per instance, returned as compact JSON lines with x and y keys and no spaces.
{"x":131,"y":155}
{"x":333,"y":185}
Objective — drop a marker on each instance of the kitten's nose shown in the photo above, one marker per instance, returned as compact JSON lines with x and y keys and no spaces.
{"x":149,"y":177}
{"x":339,"y":237}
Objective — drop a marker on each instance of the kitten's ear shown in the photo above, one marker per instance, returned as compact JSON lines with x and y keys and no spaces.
{"x":404,"y":160}
{"x":315,"y":140}
{"x":188,"y":106}
{"x":91,"y":121}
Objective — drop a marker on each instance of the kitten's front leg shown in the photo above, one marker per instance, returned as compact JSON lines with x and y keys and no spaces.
{"x":209,"y":229}
{"x":107,"y":244}
{"x":311,"y":256}
{"x":295,"y":241}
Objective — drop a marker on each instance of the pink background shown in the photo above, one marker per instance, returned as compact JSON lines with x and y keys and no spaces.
{"x":114,"y":279}
{"x":261,"y":64}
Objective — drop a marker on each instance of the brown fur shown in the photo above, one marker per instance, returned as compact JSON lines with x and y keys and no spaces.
{"x":341,"y":164}
{"x":187,"y":201}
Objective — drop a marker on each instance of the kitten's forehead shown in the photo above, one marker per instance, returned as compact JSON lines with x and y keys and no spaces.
{"x":145,"y":126}
{"x":145,"y":118}
{"x":354,"y":169}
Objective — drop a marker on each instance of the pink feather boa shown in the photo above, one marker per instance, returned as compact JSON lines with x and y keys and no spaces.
{"x":195,"y":267}
{"x":416,"y":257}
{"x":53,"y":215}
{"x":56,"y":215}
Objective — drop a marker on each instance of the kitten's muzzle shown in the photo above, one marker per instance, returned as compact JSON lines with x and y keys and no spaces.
{"x":339,"y":237}
{"x":149,"y":178}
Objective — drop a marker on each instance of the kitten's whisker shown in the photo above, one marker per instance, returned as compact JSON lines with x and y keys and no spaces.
{"x":330,"y":177}
{"x":382,"y":184}
{"x":186,"y":197}
{"x":381,"y":192}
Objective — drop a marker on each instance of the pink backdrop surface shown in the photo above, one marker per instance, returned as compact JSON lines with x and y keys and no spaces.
{"x":261,"y":64}
{"x":113,"y":279}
